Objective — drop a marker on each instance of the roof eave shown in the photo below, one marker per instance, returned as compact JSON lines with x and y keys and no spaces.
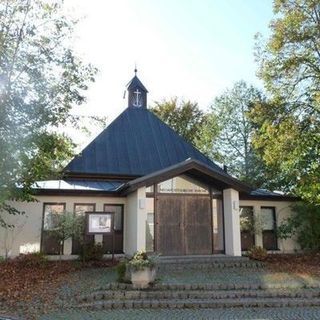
{"x":180,"y":168}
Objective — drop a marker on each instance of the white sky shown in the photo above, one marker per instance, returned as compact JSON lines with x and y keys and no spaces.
{"x":192,"y":49}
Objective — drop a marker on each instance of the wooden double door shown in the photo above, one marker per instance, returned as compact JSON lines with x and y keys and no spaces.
{"x":183,"y":225}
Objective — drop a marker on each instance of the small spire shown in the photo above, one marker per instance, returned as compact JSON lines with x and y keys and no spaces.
{"x":135,"y":69}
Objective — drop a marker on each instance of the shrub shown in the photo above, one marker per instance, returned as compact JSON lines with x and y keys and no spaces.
{"x":91,"y":252}
{"x":258,"y":253}
{"x":141,"y":260}
{"x":304,"y":223}
{"x":121,"y":271}
{"x":36,"y":259}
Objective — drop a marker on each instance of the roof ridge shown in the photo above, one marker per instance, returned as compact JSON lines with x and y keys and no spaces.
{"x":185,"y":140}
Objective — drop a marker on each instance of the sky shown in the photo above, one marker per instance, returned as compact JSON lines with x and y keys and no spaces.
{"x":190,"y":49}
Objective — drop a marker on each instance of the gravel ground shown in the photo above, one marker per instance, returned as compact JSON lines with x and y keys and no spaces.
{"x":88,"y":280}
{"x":239,"y":276}
{"x":266,"y":313}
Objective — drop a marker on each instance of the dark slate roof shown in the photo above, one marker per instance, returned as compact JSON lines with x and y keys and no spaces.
{"x":85,"y":185}
{"x":135,"y":144}
{"x":135,"y":82}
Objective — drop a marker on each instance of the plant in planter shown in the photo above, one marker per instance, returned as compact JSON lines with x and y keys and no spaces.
{"x":257,"y":253}
{"x":142,"y":269}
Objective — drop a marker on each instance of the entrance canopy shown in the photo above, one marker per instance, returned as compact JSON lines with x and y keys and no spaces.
{"x":192,"y":168}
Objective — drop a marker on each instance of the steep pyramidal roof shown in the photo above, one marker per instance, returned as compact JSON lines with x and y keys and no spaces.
{"x":135,"y":82}
{"x":135,"y":144}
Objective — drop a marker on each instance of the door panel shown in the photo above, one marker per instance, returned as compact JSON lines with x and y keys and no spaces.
{"x":184,"y":225}
{"x":170,"y":225}
{"x":197,"y":226}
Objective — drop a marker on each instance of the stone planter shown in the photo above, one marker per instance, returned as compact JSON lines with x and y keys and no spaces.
{"x":141,"y":278}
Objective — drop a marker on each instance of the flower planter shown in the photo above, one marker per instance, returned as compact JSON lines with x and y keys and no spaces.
{"x":141,"y":278}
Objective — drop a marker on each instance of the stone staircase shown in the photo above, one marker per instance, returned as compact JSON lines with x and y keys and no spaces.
{"x":173,"y":296}
{"x":205,"y":262}
{"x":186,"y":293}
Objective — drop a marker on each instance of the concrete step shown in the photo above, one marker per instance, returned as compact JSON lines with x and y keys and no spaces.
{"x":205,"y":262}
{"x":198,"y":303}
{"x":214,"y":258}
{"x":205,"y":287}
{"x":198,"y":295}
{"x":208,"y":265}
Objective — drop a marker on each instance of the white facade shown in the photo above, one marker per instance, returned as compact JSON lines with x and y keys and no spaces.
{"x":26,"y":236}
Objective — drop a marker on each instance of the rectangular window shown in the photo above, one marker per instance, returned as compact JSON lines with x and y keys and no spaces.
{"x":117,"y":210}
{"x":268,"y":218}
{"x":217,"y":217}
{"x":117,"y":238}
{"x":246,"y":218}
{"x":150,"y":189}
{"x":81,"y":209}
{"x":51,"y":215}
{"x":182,"y":184}
{"x":150,"y":225}
{"x":269,"y":234}
{"x":247,"y":228}
{"x":49,"y":243}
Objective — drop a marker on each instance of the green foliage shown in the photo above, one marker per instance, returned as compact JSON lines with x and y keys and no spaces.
{"x":304,"y":223}
{"x":41,"y":80}
{"x":289,"y":124}
{"x":250,"y":223}
{"x":67,"y":225}
{"x":91,"y":252}
{"x":257,"y":253}
{"x":121,"y":271}
{"x":234,"y":142}
{"x":189,"y":121}
{"x":141,"y":260}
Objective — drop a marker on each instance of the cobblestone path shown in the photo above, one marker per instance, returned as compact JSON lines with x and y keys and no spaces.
{"x":228,"y":314}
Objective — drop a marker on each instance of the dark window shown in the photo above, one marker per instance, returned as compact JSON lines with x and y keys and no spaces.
{"x":269,"y":234}
{"x":49,"y":243}
{"x":247,"y":227}
{"x":80,"y":209}
{"x":117,"y":209}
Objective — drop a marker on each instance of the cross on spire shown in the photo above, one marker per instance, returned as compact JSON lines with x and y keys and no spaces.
{"x":137,"y":92}
{"x":137,"y":100}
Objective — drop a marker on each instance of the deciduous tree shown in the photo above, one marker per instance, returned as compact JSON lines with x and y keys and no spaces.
{"x":188,"y":120}
{"x":289,"y":125}
{"x":234,"y":142}
{"x":41,"y":79}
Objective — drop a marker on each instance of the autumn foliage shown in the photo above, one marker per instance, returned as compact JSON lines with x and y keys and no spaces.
{"x":29,"y":276}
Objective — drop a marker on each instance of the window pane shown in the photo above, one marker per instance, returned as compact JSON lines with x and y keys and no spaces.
{"x":267,"y":218}
{"x":150,"y":189}
{"x":150,"y":225}
{"x":51,"y":215}
{"x":217,"y":216}
{"x":117,"y":215}
{"x":246,"y":218}
{"x":81,"y":209}
{"x":182,"y":184}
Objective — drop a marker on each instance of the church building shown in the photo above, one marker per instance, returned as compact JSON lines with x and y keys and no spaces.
{"x":163,"y":195}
